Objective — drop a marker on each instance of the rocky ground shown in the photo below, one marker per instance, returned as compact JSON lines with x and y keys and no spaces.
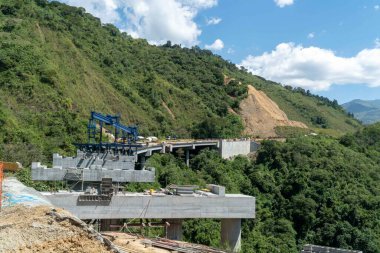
{"x":44,"y":229}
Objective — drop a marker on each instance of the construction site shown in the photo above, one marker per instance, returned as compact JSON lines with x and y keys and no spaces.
{"x":95,"y":199}
{"x":95,"y":214}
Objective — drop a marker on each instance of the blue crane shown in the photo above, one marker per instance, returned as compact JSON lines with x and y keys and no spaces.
{"x":128,"y":133}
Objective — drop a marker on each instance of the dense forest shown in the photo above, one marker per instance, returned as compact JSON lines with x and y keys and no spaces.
{"x":310,"y":189}
{"x":57,"y":63}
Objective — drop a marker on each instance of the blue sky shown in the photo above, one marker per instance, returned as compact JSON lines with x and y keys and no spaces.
{"x":330,"y":47}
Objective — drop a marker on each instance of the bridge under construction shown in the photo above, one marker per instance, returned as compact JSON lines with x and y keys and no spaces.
{"x":98,"y":169}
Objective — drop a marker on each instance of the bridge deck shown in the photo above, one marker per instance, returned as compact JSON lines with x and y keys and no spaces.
{"x":138,"y":205}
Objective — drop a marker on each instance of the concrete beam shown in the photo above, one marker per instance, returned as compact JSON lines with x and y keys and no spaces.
{"x":138,"y":205}
{"x":231,"y":234}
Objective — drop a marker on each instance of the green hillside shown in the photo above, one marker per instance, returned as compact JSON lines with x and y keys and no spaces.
{"x":367,"y":111}
{"x":57,"y":63}
{"x":309,"y":190}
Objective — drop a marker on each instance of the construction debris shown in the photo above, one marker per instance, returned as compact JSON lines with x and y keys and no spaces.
{"x":128,"y":242}
{"x":182,"y":247}
{"x":45,"y":229}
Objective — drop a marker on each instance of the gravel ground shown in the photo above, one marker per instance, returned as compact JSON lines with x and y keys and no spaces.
{"x":44,"y":229}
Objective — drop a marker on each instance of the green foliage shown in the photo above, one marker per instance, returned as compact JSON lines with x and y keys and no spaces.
{"x":218,"y":127}
{"x":291,"y":132}
{"x":170,"y":170}
{"x":327,"y":191}
{"x":202,"y":231}
{"x":57,"y":63}
{"x":309,"y":189}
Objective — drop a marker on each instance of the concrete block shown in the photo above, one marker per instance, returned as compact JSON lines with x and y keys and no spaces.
{"x":217,"y":189}
{"x":231,"y":148}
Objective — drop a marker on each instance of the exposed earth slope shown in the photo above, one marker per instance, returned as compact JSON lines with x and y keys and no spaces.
{"x":261,"y":115}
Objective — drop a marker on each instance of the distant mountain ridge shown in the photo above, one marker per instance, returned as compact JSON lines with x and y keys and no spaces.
{"x":367,"y":111}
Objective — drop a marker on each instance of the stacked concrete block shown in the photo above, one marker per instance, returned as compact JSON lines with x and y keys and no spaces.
{"x":92,"y":175}
{"x":92,"y":167}
{"x":86,"y":160}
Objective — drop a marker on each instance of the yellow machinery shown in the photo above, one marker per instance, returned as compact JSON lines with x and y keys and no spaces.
{"x":7,"y":166}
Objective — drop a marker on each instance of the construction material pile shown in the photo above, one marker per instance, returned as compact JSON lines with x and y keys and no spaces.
{"x":134,"y":243}
{"x":45,"y":229}
{"x":179,"y":246}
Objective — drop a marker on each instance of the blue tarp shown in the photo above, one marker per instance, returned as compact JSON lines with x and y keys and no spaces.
{"x":14,"y":192}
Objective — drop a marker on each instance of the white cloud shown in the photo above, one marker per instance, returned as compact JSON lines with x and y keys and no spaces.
{"x":199,"y":4}
{"x":377,"y":42}
{"x":376,"y":7}
{"x":155,"y":20}
{"x":217,"y":45}
{"x":162,"y":20}
{"x":315,"y":68}
{"x":213,"y":21}
{"x":283,"y":3}
{"x":311,"y":35}
{"x":106,"y":10}
{"x":230,"y":51}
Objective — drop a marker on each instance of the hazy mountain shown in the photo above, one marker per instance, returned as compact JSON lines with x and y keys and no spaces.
{"x":367,"y":111}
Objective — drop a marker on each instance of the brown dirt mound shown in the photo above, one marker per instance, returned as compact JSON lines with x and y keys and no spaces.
{"x":39,"y":229}
{"x":261,"y":115}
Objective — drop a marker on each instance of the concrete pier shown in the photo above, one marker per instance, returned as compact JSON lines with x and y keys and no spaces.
{"x":231,"y":234}
{"x":174,"y":230}
{"x":187,"y":157}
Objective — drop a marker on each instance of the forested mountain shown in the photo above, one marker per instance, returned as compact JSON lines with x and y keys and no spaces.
{"x":57,"y":63}
{"x":367,"y":111}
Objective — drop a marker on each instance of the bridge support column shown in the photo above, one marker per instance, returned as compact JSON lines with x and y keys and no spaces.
{"x":174,"y":231}
{"x":231,"y":234}
{"x":187,"y":157}
{"x":106,"y":224}
{"x":142,"y":161}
